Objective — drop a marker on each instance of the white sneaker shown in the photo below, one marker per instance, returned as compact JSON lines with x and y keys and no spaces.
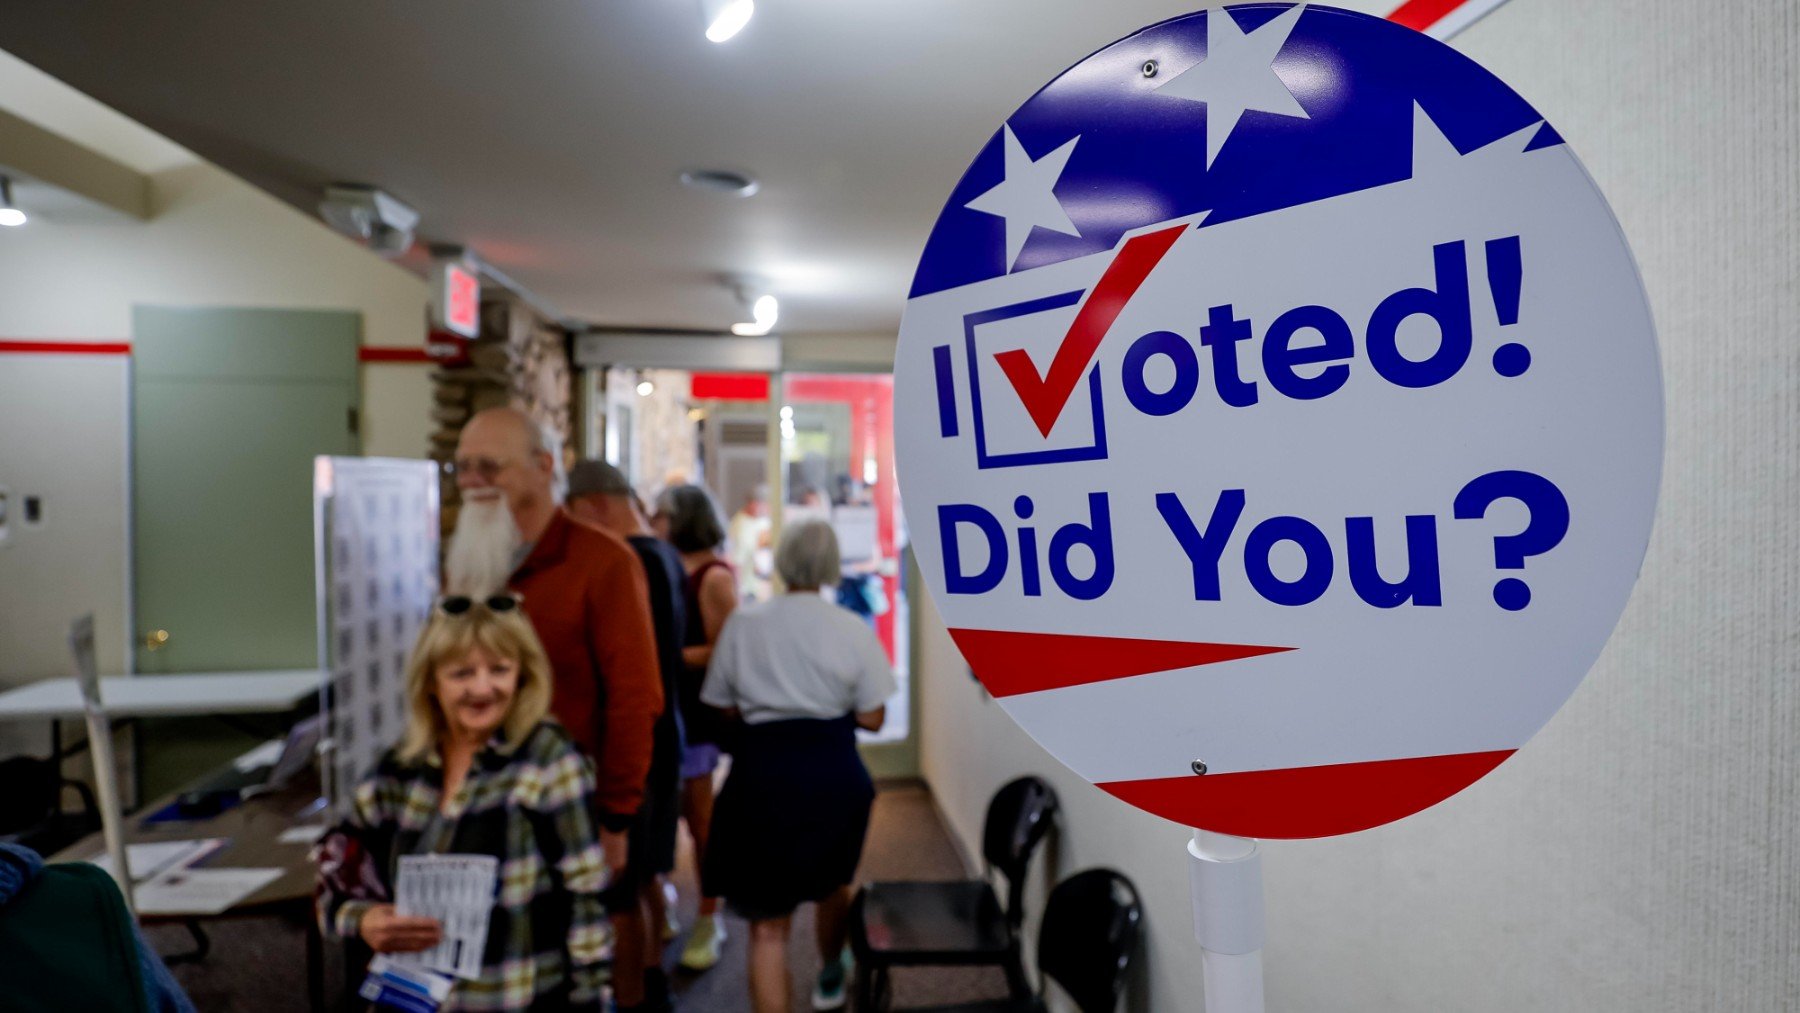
{"x":671,"y":926}
{"x":704,"y":943}
{"x":833,"y":985}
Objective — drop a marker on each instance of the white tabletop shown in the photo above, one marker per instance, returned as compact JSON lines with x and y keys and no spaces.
{"x":167,"y":695}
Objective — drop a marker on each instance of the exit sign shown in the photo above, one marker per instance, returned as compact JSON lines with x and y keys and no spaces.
{"x":458,"y":302}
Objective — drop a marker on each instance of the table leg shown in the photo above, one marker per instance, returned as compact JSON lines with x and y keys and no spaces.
{"x":315,"y":964}
{"x":202,"y":945}
{"x":56,"y":757}
{"x":137,"y":763}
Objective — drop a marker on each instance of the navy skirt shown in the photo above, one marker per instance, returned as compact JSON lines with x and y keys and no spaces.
{"x":788,"y":827}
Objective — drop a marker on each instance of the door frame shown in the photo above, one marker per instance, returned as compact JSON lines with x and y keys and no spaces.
{"x":866,"y":354}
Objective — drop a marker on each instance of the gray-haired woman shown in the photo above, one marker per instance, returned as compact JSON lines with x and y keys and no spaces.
{"x":803,"y":674}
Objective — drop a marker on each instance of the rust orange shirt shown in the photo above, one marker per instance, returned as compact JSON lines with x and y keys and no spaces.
{"x":585,"y":593}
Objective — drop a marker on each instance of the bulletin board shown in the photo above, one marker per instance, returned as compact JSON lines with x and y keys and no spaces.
{"x":375,"y":524}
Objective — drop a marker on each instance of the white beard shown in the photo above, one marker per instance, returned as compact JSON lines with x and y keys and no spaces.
{"x":482,"y":548}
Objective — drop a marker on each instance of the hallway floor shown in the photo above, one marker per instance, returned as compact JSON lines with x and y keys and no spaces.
{"x":258,"y":965}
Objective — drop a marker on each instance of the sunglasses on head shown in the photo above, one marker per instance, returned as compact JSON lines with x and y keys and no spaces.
{"x":460,"y":604}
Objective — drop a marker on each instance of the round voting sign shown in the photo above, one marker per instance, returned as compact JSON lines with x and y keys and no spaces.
{"x":1279,"y":419}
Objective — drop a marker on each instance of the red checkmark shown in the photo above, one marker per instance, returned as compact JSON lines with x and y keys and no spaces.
{"x":1044,"y":396}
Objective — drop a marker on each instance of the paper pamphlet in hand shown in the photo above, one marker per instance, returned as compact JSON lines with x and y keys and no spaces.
{"x":457,"y":890}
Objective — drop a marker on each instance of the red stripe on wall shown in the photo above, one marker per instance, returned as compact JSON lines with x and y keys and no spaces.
{"x":1320,"y":801}
{"x":418,"y":355}
{"x":1422,"y":14}
{"x":730,"y":386}
{"x":66,"y":347}
{"x":370,"y":354}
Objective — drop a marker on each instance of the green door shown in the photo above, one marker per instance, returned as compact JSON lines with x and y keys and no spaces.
{"x":229,"y":407}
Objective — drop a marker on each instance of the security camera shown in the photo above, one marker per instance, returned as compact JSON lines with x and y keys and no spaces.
{"x":372,"y":217}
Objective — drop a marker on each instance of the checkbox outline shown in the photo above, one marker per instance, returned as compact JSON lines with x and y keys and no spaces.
{"x":984,"y":460}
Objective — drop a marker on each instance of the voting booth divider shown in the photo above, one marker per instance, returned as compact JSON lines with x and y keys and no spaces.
{"x":375,"y":527}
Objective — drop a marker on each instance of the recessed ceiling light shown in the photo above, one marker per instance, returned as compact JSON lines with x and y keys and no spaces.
{"x":723,"y":181}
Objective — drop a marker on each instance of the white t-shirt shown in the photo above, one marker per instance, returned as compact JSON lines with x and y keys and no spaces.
{"x":797,"y":656}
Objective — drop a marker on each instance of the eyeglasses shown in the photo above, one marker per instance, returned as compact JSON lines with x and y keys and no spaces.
{"x":485,"y":467}
{"x":460,"y":604}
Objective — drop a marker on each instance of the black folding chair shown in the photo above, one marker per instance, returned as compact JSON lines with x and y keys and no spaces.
{"x":1087,"y":943}
{"x":896,"y":924}
{"x":31,"y":811}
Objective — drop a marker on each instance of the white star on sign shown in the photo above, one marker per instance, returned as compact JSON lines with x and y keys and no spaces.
{"x":1237,"y":75}
{"x":1026,"y":197}
{"x":1433,"y":154}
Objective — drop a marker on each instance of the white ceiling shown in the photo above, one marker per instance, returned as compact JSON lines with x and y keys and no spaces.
{"x":547,"y":134}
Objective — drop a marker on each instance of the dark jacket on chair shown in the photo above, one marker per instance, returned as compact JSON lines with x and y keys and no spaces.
{"x":67,"y":942}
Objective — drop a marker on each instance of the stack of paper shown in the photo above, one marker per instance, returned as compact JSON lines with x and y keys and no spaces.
{"x":154,"y":857}
{"x":166,"y":884}
{"x":304,"y":833}
{"x":200,"y":891}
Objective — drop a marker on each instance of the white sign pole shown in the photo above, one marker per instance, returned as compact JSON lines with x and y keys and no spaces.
{"x":100,"y":748}
{"x":1226,"y":875}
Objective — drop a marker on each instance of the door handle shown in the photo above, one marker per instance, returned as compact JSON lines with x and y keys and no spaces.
{"x":155,"y":639}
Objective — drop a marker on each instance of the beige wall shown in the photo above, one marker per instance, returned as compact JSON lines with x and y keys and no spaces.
{"x":1643,"y":852}
{"x":213,"y":240}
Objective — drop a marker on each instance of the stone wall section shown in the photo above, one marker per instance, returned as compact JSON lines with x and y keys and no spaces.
{"x":521,"y":359}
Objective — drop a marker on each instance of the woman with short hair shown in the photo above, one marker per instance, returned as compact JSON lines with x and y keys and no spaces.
{"x":803,"y":674}
{"x":481,"y":769}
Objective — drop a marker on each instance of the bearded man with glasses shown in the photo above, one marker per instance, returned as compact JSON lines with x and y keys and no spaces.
{"x":584,"y":592}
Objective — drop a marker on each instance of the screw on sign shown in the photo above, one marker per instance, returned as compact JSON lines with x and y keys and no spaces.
{"x":1276,"y":388}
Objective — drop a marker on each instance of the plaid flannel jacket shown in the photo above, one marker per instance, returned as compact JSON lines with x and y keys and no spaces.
{"x":531,"y":806}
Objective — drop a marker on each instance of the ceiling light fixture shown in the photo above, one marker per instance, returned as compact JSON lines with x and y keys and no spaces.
{"x":762,"y":318}
{"x":9,"y":215}
{"x":725,"y":18}
{"x":735,"y":184}
{"x":645,"y":388}
{"x":372,"y":217}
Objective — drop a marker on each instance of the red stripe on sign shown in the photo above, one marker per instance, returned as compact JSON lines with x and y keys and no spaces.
{"x":1307,"y":801}
{"x":730,"y":386}
{"x":1012,"y":663}
{"x":1422,"y":14}
{"x":376,"y":354}
{"x":66,"y":347}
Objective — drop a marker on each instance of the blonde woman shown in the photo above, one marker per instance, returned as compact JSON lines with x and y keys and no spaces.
{"x":482,"y":770}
